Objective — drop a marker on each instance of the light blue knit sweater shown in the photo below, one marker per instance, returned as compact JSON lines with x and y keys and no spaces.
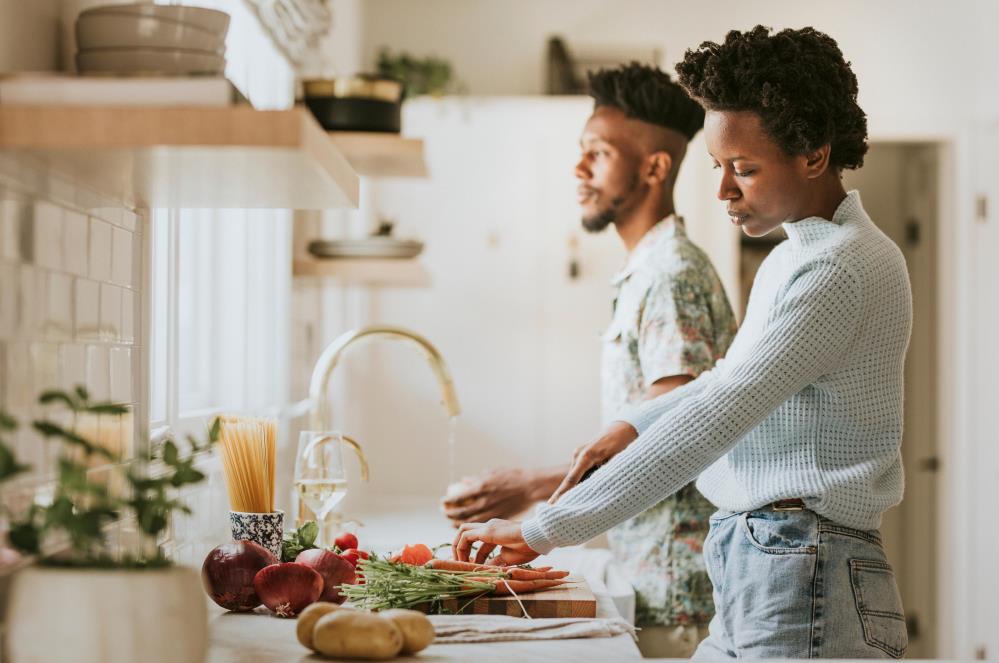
{"x":806,"y":404}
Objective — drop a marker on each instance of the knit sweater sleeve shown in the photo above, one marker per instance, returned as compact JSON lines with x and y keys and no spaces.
{"x":811,"y":326}
{"x":643,"y":414}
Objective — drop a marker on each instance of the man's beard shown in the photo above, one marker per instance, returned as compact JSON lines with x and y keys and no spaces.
{"x":599,"y":221}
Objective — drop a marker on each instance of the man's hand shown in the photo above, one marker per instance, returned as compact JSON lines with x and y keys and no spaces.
{"x":498,"y":494}
{"x":591,"y":456}
{"x":496,"y":532}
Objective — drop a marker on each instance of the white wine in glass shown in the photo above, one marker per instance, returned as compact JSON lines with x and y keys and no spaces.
{"x":320,"y":477}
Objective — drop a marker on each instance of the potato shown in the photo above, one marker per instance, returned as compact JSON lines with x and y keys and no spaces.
{"x":417,"y":631}
{"x":356,"y":634}
{"x":307,"y":621}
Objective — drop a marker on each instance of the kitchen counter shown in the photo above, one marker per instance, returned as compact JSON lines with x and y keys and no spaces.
{"x":387,"y":525}
{"x":263,"y":638}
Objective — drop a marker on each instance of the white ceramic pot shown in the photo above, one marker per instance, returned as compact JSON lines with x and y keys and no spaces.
{"x":107,"y":616}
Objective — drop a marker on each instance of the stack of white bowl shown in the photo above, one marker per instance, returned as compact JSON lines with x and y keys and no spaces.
{"x":145,"y":39}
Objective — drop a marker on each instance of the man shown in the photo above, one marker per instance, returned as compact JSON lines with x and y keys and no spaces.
{"x":796,"y":435}
{"x":671,"y":322}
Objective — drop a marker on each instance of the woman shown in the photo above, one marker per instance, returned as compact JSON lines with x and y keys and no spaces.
{"x":795,"y":435}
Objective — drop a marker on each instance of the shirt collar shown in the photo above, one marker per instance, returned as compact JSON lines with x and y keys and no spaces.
{"x":815,"y":228}
{"x":667,"y":229}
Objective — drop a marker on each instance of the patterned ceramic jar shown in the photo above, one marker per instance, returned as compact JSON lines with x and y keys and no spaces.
{"x":267,"y":529}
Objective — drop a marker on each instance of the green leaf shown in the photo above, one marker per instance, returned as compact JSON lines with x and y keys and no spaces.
{"x":7,"y":422}
{"x":107,"y":408}
{"x":9,"y":466}
{"x":25,"y":537}
{"x":49,"y":429}
{"x":53,"y":395}
{"x":215,"y":431}
{"x":82,"y":393}
{"x":170,"y":453}
{"x":307,"y":534}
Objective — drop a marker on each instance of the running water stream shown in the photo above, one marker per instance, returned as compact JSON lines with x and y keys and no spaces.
{"x":452,"y":428}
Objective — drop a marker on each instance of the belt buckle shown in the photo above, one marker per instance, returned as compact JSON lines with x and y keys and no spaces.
{"x":789,"y":505}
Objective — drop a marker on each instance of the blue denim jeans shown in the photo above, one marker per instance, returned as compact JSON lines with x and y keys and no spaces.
{"x":792,"y":584}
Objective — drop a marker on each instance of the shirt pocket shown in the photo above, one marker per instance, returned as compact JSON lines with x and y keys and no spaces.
{"x":880,"y":606}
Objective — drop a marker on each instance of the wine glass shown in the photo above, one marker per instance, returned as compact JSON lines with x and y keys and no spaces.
{"x":320,"y":477}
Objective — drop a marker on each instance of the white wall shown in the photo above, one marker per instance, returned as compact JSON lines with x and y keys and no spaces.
{"x":29,"y":35}
{"x":916,"y":60}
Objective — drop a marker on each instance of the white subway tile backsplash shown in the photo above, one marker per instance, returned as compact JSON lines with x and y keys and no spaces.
{"x":59,"y":307}
{"x":100,"y":250}
{"x":45,"y":364}
{"x":74,"y":246}
{"x":121,"y":258}
{"x":72,"y":366}
{"x":110,"y":313}
{"x":98,"y":373}
{"x":31,"y":301}
{"x":48,"y":239}
{"x":88,"y":312}
{"x":20,"y":378}
{"x":3,"y":375}
{"x":10,"y":292}
{"x":12,"y":217}
{"x":121,"y":375}
{"x":128,"y":311}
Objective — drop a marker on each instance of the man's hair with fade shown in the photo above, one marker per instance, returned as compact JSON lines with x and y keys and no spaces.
{"x":648,"y":94}
{"x":796,"y":81}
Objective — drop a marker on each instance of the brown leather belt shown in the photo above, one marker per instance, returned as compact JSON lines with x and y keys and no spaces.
{"x":788,"y":505}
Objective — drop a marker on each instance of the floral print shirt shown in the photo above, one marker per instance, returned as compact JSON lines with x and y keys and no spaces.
{"x":671,"y":317}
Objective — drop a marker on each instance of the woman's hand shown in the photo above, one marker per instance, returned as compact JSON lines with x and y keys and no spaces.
{"x":591,"y":456}
{"x":496,"y":532}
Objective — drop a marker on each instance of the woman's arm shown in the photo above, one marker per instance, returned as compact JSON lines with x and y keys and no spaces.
{"x":811,"y":328}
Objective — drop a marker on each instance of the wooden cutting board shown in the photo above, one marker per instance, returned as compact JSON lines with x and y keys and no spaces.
{"x":571,"y":600}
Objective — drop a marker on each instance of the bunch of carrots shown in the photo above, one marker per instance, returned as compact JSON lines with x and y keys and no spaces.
{"x":413,"y":578}
{"x":514,"y":579}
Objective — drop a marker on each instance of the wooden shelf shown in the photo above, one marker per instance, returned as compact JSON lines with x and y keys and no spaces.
{"x":230,"y":157}
{"x":382,"y":154}
{"x":389,"y":272}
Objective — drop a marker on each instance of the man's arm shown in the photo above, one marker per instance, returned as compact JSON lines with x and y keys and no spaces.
{"x":665,"y":385}
{"x":500,"y":493}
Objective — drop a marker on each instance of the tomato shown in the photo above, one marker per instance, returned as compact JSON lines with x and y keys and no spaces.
{"x":416,"y":555}
{"x":352,"y":555}
{"x":345,"y":541}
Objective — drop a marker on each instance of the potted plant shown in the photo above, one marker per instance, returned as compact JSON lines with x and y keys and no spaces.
{"x":85,"y":599}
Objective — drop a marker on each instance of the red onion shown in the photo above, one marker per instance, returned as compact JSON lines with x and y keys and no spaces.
{"x":228,"y":572}
{"x":334,"y":569}
{"x":287,"y":588}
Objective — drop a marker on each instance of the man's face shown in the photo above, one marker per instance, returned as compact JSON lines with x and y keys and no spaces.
{"x":608,"y":170}
{"x":761,"y":184}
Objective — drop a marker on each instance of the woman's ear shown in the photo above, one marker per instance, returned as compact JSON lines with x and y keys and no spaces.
{"x":817,"y":161}
{"x":657,"y":167}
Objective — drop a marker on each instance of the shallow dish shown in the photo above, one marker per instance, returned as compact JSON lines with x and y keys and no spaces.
{"x":170,"y":62}
{"x":211,"y":20}
{"x":109,"y":30}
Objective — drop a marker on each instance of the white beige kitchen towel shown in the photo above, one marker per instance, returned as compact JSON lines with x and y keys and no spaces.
{"x":497,"y":628}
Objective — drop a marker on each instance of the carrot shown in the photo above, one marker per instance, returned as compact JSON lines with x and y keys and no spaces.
{"x":509,"y":587}
{"x":532,"y":574}
{"x":455,"y":565}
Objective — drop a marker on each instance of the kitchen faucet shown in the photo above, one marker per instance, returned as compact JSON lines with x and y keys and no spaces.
{"x":323,"y":371}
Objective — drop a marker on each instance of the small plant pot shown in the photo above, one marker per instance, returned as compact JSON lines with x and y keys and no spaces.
{"x":267,"y":529}
{"x":107,"y":616}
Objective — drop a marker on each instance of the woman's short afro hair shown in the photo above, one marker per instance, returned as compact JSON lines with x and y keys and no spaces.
{"x":648,"y":94}
{"x":797,"y":81}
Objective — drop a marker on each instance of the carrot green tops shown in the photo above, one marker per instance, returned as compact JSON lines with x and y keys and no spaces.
{"x":807,"y":403}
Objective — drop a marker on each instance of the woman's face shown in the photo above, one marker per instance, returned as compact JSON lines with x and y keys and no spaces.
{"x":761,"y":184}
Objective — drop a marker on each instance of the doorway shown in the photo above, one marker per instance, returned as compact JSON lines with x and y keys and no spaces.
{"x":899,"y":189}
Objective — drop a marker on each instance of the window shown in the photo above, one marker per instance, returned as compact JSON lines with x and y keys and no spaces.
{"x":221,"y":291}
